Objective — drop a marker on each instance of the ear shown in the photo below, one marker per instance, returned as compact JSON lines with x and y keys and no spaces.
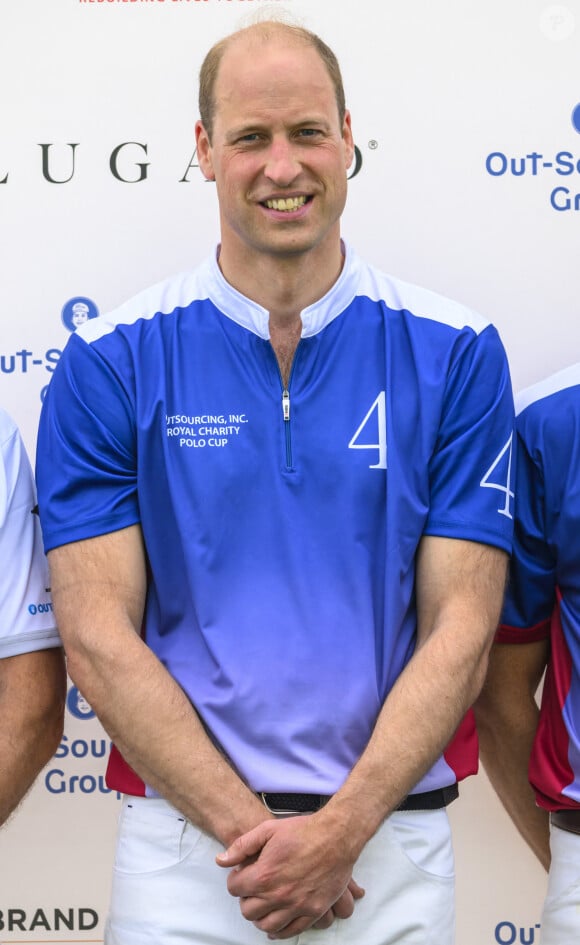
{"x":348,"y":139}
{"x":203,"y":148}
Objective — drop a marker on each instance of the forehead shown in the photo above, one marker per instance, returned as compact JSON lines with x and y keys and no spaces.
{"x":259,"y":75}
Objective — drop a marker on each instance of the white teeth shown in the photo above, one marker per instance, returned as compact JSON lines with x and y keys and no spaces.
{"x":286,"y":204}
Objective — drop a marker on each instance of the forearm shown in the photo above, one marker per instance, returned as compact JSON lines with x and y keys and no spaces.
{"x":506,"y":756}
{"x":32,"y":693}
{"x":160,"y":735}
{"x":507,"y":718}
{"x":416,"y":723}
{"x":99,"y":589}
{"x":459,"y":591}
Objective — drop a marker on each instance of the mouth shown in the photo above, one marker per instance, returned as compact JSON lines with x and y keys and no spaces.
{"x":287,"y":204}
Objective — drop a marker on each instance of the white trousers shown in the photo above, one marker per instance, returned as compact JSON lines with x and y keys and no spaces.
{"x":560,"y":924}
{"x":167,"y":889}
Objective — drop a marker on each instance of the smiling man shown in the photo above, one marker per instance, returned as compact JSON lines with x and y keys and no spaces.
{"x":283,"y":626}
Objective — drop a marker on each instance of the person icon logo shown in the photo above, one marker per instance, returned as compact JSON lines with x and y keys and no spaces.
{"x":77,"y":311}
{"x":78,"y":705}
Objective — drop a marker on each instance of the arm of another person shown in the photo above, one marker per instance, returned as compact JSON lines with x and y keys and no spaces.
{"x":304,"y":863}
{"x":32,"y":695}
{"x":507,"y":719}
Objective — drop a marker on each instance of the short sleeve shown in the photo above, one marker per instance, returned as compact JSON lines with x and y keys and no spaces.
{"x":86,"y":455}
{"x":26,"y":619}
{"x":531,"y":593}
{"x":472,"y":468}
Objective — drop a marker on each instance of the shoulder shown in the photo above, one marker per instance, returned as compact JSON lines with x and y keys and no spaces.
{"x":163,"y":298}
{"x":546,"y":396}
{"x":416,"y":301}
{"x":548,"y":437}
{"x":548,"y":412}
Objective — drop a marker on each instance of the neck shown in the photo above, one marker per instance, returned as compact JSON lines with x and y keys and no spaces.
{"x":282,"y":284}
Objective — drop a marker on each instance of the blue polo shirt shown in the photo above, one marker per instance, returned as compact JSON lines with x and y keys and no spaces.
{"x":281,"y":526}
{"x":543,"y":598}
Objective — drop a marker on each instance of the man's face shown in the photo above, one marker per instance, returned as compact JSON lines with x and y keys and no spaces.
{"x":279,"y":154}
{"x":80,"y":314}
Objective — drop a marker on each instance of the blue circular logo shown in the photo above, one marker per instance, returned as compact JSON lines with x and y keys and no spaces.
{"x":77,"y":311}
{"x":576,"y":118}
{"x":78,"y":705}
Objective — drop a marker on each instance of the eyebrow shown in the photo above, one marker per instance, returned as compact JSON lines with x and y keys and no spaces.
{"x":260,"y":127}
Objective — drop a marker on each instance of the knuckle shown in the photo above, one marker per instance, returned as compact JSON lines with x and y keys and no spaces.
{"x":264,"y":880}
{"x":317,"y":907}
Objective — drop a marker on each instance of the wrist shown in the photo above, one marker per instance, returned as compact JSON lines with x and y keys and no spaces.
{"x":235,"y":823}
{"x":348,"y":824}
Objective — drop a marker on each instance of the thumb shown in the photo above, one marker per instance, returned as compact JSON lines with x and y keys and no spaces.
{"x":245,"y":847}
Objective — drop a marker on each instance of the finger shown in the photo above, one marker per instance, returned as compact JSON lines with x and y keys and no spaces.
{"x":283,"y":922}
{"x":356,"y":891}
{"x":240,"y":884}
{"x":343,"y":908}
{"x":254,"y":909}
{"x":325,"y":921}
{"x":294,"y":928}
{"x":244,"y":847}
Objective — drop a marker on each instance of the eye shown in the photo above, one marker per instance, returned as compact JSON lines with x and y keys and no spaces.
{"x":250,"y":138}
{"x":309,"y":132}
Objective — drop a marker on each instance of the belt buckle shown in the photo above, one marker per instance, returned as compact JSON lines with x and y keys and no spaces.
{"x":274,"y":811}
{"x":308,"y":803}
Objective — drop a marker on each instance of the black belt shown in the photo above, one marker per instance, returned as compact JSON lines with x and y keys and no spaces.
{"x":309,"y":803}
{"x":566,"y":820}
{"x":430,"y":800}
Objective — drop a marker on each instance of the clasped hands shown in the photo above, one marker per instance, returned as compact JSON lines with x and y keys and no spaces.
{"x":291,"y":875}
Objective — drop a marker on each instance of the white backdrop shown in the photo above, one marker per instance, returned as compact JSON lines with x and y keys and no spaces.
{"x":463,"y":116}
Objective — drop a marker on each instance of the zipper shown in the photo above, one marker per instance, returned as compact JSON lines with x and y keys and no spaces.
{"x":286,"y":415}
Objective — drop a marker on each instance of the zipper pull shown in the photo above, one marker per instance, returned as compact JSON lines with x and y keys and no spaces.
{"x":286,"y":405}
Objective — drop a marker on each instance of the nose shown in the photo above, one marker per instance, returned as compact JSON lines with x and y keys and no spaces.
{"x":282,"y":166}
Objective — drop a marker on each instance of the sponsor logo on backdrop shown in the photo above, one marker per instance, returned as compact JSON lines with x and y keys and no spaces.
{"x":78,"y":706}
{"x":127,"y":163}
{"x":86,"y":757}
{"x":73,"y":919}
{"x":507,"y":933}
{"x":77,"y":311}
{"x":558,"y":171}
{"x":29,"y":362}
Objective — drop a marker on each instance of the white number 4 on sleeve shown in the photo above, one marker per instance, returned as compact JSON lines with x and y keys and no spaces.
{"x":502,"y":467}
